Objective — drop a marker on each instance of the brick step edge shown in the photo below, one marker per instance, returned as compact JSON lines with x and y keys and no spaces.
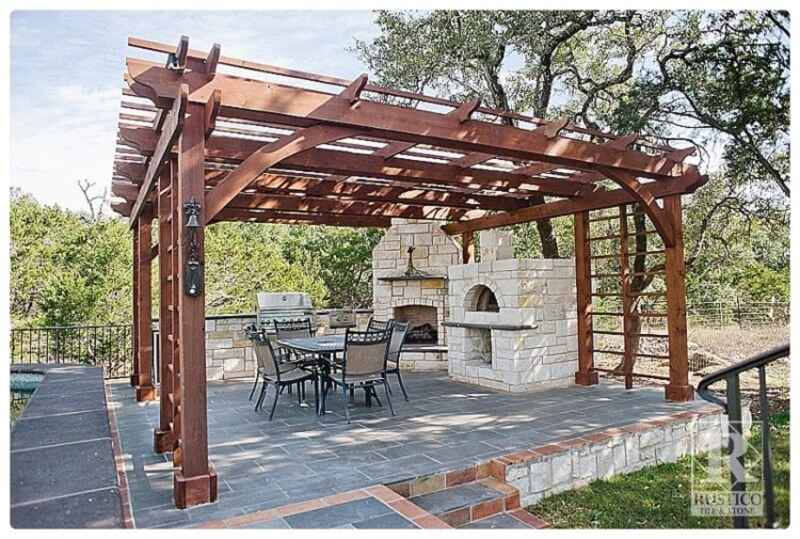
{"x":506,"y":500}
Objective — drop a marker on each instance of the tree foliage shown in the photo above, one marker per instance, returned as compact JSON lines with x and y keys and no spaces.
{"x":76,"y":268}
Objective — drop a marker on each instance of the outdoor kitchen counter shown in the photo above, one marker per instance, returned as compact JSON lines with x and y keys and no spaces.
{"x":63,"y":473}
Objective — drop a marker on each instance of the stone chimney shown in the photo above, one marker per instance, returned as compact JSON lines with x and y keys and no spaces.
{"x":496,"y":245}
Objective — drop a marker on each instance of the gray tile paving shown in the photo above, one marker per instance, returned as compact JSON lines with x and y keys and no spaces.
{"x":339,"y":515}
{"x":499,"y":521}
{"x":300,"y":456}
{"x":457,"y":497}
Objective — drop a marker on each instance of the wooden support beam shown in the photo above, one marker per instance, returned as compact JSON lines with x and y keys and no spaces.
{"x":332,"y":206}
{"x":212,"y":60}
{"x":467,"y":247}
{"x":169,"y":134}
{"x":134,"y":381}
{"x":678,"y":388}
{"x":298,"y":218}
{"x":235,"y":150}
{"x":464,"y":112}
{"x":177,"y":60}
{"x":687,"y":183}
{"x":267,"y":156}
{"x":164,"y":438}
{"x":353,"y":92}
{"x":212,"y":111}
{"x":646,"y":200}
{"x":302,"y":107}
{"x":195,"y":481}
{"x":629,"y":354}
{"x":586,"y":375}
{"x":144,"y":317}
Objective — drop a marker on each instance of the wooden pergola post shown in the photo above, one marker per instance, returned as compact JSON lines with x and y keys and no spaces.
{"x":143,"y":307}
{"x":134,"y":302}
{"x":468,"y":247}
{"x":195,"y":481}
{"x":164,"y":436}
{"x":678,"y":388}
{"x":586,"y":375}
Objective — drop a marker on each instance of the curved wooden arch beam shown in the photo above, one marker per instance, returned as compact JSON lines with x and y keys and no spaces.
{"x":269,"y":156}
{"x":648,"y":202}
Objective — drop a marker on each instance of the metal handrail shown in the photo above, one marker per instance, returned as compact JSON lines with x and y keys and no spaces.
{"x":733,"y":409}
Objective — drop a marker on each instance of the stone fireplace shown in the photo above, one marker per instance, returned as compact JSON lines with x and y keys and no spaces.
{"x":423,"y":323}
{"x":409,"y":268}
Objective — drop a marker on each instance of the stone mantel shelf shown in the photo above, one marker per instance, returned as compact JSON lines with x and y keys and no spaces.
{"x":503,"y":327}
{"x":392,"y":278}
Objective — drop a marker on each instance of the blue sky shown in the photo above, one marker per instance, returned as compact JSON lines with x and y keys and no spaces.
{"x":67,"y":66}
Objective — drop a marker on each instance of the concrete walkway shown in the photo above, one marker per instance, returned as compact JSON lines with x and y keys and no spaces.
{"x":62,"y":465}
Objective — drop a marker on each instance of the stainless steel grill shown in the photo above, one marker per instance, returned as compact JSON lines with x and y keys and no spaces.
{"x":283,"y":306}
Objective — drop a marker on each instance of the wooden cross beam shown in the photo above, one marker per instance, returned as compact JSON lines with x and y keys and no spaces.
{"x":687,"y":183}
{"x":170,"y":132}
{"x":302,"y":107}
{"x":377,"y":165}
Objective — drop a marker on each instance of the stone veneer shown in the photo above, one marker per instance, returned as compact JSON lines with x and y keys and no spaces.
{"x":546,"y":470}
{"x":230,"y":354}
{"x":538,"y":293}
{"x":434,"y":252}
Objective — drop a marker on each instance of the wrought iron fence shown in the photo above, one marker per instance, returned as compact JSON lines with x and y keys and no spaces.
{"x":110,"y":346}
{"x":733,"y":408}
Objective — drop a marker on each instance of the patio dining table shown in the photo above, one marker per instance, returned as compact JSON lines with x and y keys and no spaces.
{"x":325,"y":347}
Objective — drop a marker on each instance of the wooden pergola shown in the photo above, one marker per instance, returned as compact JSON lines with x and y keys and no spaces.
{"x":205,"y":138}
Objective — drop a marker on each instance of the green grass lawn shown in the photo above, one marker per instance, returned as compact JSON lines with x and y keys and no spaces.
{"x":658,"y":496}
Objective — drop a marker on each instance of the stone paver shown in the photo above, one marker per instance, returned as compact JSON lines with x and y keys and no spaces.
{"x":300,"y":456}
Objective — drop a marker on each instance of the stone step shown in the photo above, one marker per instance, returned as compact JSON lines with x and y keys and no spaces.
{"x":499,"y":521}
{"x":461,"y":504}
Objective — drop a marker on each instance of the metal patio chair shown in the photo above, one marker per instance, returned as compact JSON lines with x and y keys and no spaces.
{"x":378,"y":325}
{"x":278,"y":371}
{"x":363,"y":364}
{"x":396,"y":342}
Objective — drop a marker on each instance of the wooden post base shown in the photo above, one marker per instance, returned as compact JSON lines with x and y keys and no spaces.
{"x":195,"y":490}
{"x":146,"y":393}
{"x":134,"y":380}
{"x":587,"y":378}
{"x":677,"y":393}
{"x":163,"y":441}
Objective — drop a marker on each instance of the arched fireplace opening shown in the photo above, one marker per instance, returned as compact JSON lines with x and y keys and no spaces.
{"x":481,"y":298}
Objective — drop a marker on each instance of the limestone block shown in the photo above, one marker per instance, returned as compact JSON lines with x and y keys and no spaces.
{"x":561,"y":468}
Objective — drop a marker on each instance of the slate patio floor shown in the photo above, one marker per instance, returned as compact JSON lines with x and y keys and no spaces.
{"x":300,"y":456}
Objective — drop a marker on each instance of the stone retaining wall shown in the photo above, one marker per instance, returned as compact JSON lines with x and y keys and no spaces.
{"x":543,"y":471}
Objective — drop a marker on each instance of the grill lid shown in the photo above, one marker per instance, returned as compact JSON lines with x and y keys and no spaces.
{"x":282,"y":301}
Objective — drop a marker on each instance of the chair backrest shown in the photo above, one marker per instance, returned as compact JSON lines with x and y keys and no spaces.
{"x":293,"y":329}
{"x":397,"y":340}
{"x":378,"y":325}
{"x":365,"y":353}
{"x":271,"y":360}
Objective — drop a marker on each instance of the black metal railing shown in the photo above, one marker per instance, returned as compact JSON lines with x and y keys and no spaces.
{"x":733,"y":408}
{"x":109,"y":346}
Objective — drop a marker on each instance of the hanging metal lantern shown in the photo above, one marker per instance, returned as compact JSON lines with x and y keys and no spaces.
{"x":193,"y":268}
